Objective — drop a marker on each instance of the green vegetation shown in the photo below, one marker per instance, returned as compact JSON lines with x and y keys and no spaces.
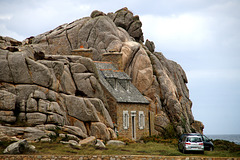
{"x":153,"y":145}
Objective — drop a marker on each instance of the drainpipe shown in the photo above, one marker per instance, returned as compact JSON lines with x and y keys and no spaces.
{"x":149,"y":123}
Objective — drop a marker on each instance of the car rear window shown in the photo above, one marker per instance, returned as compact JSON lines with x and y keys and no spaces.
{"x":194,"y":139}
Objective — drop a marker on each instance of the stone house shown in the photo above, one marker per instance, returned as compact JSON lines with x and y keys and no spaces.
{"x":128,"y":108}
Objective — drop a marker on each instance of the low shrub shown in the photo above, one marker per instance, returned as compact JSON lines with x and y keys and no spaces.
{"x":226,"y":145}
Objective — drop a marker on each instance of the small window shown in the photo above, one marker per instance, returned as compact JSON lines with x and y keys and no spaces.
{"x":125,"y":120}
{"x":141,"y":120}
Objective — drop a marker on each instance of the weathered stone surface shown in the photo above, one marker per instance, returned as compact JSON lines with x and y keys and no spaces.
{"x":5,"y":138}
{"x":198,"y":126}
{"x":55,"y":118}
{"x":84,"y":83}
{"x":78,"y":68}
{"x":19,"y":68}
{"x":138,"y":65}
{"x":116,"y":143}
{"x":88,"y":140}
{"x":31,"y":105}
{"x":5,"y":73}
{"x":28,"y":133}
{"x":7,"y":116}
{"x":70,"y":137}
{"x":150,"y":45}
{"x":36,"y":118}
{"x":81,"y":125}
{"x":75,"y":131}
{"x":173,"y":91}
{"x":32,"y":133}
{"x":80,"y":108}
{"x":100,"y":131}
{"x":98,"y":104}
{"x":39,"y":95}
{"x":161,"y":121}
{"x":45,"y":140}
{"x":112,"y":133}
{"x":100,"y":144}
{"x":125,"y":19}
{"x":19,"y":147}
{"x":24,"y":92}
{"x":50,"y":127}
{"x":97,"y":13}
{"x":72,"y":143}
{"x":40,"y":74}
{"x":56,"y":108}
{"x":56,"y":69}
{"x":43,"y":105}
{"x":67,"y":82}
{"x":7,"y":100}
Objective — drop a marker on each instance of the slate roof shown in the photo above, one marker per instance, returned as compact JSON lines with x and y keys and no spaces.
{"x":108,"y":74}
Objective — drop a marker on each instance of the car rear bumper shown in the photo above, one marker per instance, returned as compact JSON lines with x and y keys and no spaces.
{"x":194,"y":148}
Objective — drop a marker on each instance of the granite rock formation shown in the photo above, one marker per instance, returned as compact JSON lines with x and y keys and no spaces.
{"x":42,"y":83}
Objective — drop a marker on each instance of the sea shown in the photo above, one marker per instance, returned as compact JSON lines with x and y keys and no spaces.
{"x":228,"y":137}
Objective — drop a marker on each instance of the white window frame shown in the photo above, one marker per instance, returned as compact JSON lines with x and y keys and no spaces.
{"x":125,"y":120}
{"x":141,"y":120}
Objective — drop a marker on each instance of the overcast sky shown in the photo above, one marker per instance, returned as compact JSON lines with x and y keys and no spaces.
{"x":203,"y":36}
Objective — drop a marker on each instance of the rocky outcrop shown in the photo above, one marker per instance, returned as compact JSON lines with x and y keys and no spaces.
{"x":46,"y":91}
{"x":42,"y":83}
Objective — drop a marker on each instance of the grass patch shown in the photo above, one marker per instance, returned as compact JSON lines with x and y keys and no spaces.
{"x":163,"y":147}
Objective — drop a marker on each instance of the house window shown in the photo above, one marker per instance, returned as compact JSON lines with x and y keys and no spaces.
{"x":141,"y":120}
{"x":125,"y":120}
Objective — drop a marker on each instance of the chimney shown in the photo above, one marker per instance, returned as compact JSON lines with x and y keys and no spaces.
{"x":115,"y":58}
{"x":83,"y":52}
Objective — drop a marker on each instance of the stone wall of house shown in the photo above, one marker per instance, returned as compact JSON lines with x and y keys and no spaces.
{"x":127,"y":133}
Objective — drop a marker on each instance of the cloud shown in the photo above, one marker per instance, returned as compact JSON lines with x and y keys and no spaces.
{"x":5,"y":17}
{"x":185,"y":32}
{"x":34,"y":17}
{"x":227,"y":75}
{"x":8,"y":33}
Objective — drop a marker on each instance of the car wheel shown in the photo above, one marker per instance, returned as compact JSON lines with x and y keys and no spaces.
{"x":202,"y":152}
{"x":184,"y":151}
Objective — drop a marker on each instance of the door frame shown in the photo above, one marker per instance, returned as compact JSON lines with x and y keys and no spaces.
{"x":133,"y":121}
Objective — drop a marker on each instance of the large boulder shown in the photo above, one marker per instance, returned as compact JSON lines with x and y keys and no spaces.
{"x":19,"y":147}
{"x":40,"y":74}
{"x":75,"y":131}
{"x":125,"y":19}
{"x":19,"y":69}
{"x":105,"y":117}
{"x":7,"y":100}
{"x":80,"y":108}
{"x":5,"y":72}
{"x":100,"y":131}
{"x":88,"y":141}
{"x":36,"y":118}
{"x":116,"y":143}
{"x":7,"y":116}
